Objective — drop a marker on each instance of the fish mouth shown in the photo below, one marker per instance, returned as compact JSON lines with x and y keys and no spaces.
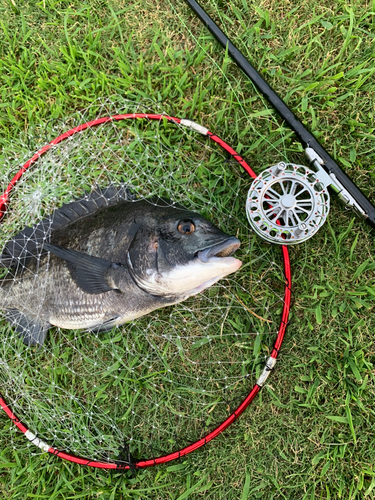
{"x":223,"y":249}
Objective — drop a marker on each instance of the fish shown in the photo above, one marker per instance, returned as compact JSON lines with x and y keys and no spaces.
{"x":106,"y":259}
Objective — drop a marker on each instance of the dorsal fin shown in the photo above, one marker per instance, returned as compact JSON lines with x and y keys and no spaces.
{"x":24,"y":244}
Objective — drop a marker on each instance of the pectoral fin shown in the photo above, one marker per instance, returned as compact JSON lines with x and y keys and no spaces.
{"x":106,"y":326}
{"x":91,"y":274}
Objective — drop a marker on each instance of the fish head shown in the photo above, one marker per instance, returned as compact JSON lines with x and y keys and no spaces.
{"x":180,"y":254}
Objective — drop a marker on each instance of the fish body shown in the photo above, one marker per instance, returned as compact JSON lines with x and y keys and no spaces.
{"x":107,"y":259}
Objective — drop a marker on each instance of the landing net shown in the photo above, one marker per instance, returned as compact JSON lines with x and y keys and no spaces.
{"x":165,"y":381}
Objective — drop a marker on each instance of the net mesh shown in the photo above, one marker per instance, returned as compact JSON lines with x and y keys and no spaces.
{"x":162,"y":381}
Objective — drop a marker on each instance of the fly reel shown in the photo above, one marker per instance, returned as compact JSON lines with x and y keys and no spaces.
{"x":288,"y":203}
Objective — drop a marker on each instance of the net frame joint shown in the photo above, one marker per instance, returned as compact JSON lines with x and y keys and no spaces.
{"x":38,"y":442}
{"x":194,"y":126}
{"x":270,"y":363}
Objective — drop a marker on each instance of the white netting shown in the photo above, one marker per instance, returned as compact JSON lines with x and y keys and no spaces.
{"x":164,"y":380}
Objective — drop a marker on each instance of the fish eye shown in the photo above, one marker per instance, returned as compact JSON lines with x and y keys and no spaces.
{"x":186,"y":227}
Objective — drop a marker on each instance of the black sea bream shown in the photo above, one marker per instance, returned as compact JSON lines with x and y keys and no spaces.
{"x":107,"y":259}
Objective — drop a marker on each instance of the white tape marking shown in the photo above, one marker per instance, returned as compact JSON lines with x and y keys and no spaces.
{"x":194,"y":126}
{"x":38,"y":442}
{"x":270,"y":363}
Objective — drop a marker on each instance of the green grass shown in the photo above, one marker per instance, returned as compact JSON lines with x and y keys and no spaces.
{"x":310,"y":433}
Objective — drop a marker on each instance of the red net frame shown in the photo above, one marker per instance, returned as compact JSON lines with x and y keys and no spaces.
{"x":4,"y":202}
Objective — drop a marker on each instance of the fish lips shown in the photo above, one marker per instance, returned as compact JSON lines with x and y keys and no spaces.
{"x":225,"y":248}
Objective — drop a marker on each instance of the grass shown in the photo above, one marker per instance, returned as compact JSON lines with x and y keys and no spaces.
{"x":310,"y":433}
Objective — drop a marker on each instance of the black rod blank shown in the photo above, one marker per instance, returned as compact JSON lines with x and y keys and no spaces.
{"x":304,"y":135}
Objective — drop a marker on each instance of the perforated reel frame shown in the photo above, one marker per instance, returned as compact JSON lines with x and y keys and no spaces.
{"x":287,"y":204}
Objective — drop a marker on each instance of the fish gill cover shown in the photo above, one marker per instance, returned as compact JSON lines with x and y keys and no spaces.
{"x":162,"y":381}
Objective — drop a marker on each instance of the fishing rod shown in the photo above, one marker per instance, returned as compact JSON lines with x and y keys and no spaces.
{"x":291,"y":218}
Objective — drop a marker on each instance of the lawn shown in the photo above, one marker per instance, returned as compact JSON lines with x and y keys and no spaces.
{"x":310,"y":432}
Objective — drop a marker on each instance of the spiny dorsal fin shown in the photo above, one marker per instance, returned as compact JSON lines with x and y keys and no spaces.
{"x":24,"y":244}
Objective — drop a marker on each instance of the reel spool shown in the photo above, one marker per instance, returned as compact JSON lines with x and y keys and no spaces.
{"x":287,"y":203}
